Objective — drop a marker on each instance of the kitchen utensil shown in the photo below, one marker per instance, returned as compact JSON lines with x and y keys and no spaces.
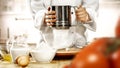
{"x":43,"y":52}
{"x":63,"y":13}
{"x":43,"y":55}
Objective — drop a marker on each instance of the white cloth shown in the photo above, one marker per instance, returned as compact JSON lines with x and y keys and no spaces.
{"x":39,"y":8}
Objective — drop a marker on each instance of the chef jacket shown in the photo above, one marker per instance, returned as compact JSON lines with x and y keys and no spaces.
{"x":76,"y":34}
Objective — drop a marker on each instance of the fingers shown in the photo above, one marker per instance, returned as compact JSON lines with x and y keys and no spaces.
{"x":80,"y":8}
{"x":81,"y":14}
{"x":81,"y":11}
{"x":82,"y":18}
{"x":51,"y":13}
{"x":50,"y":22}
{"x":50,"y":18}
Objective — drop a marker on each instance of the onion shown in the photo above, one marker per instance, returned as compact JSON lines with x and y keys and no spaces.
{"x":23,"y":60}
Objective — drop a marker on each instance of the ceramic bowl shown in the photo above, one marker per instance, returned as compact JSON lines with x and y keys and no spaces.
{"x":43,"y":56}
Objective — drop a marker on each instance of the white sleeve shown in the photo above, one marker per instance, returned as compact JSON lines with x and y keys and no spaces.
{"x":39,"y":19}
{"x":38,"y":10}
{"x":92,"y":8}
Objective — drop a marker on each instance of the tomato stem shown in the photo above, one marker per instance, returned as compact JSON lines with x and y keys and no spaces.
{"x":113,"y":46}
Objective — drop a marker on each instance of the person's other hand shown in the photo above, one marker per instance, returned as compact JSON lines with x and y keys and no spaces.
{"x":50,"y":17}
{"x":82,"y":15}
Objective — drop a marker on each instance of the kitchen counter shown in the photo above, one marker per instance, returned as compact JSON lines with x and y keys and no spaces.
{"x":60,"y":60}
{"x":53,"y":64}
{"x":63,"y":57}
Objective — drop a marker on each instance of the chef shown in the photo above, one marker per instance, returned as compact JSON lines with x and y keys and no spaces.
{"x":83,"y":19}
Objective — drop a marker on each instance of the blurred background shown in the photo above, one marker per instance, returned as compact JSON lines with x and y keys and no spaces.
{"x":109,"y":11}
{"x":16,"y":19}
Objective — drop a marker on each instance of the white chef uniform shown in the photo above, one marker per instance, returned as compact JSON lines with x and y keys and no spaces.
{"x":75,"y":35}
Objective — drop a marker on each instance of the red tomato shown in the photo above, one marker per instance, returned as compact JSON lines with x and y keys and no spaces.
{"x":115,"y":59}
{"x":96,"y":54}
{"x":100,"y":44}
{"x":89,"y":59}
{"x":117,"y":29}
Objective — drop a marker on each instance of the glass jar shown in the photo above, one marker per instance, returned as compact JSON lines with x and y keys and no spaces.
{"x":19,"y":47}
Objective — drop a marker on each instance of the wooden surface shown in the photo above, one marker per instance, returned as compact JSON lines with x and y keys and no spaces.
{"x":67,"y":52}
{"x":53,"y":64}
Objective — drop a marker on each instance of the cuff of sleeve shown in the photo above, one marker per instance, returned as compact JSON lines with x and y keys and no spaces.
{"x":92,"y":23}
{"x":39,"y":19}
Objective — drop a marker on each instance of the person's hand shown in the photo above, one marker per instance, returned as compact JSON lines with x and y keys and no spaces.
{"x":82,"y":15}
{"x":50,"y":17}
